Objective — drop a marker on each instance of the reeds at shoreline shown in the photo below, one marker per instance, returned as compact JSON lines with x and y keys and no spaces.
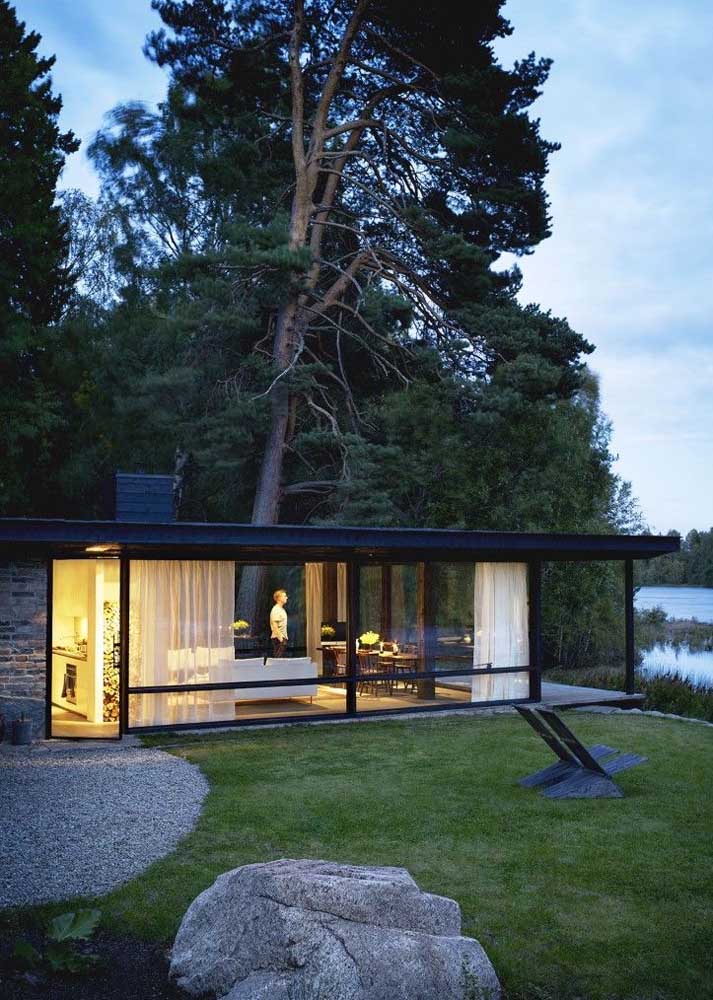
{"x":665,"y":691}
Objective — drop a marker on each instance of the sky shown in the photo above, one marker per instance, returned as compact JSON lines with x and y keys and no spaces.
{"x":628,"y":264}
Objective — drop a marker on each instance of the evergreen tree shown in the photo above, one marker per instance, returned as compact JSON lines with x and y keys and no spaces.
{"x":692,"y":566}
{"x":34,"y":282}
{"x":392,"y":160}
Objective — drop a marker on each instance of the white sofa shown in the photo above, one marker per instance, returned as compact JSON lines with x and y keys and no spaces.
{"x":254,"y":670}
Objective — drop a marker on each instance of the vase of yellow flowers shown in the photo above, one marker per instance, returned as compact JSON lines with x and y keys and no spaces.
{"x":368,"y":640}
{"x":241,"y":632}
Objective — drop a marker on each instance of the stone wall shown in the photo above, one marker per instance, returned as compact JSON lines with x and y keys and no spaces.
{"x":23,"y":628}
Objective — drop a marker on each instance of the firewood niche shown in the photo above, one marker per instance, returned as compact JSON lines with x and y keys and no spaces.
{"x":111,"y":661}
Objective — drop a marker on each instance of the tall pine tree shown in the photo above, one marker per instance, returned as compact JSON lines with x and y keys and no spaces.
{"x":34,"y":282}
{"x":399,"y":162}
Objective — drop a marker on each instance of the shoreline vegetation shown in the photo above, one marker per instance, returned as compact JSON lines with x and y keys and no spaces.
{"x":654,"y":626}
{"x":667,"y":691}
{"x":692,"y":566}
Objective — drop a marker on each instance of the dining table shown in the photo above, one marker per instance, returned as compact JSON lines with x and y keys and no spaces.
{"x":396,"y":663}
{"x":405,"y":663}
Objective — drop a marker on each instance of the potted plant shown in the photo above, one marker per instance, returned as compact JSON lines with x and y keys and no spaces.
{"x":22,"y":731}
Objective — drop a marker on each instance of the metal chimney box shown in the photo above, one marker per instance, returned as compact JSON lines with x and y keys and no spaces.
{"x":141,"y":497}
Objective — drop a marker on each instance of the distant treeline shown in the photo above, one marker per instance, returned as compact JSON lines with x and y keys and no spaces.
{"x":693,"y":565}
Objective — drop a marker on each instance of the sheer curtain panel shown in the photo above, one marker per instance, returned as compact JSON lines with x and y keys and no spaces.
{"x":313,"y":611}
{"x":180,"y":628}
{"x":501,"y":630}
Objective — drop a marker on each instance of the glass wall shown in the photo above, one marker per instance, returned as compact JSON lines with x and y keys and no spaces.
{"x":481,"y":616}
{"x":85,"y":673}
{"x":219,"y":641}
{"x":420,"y":624}
{"x":198,"y":623}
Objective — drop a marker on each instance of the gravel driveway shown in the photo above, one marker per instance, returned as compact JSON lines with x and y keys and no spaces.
{"x":80,"y":820}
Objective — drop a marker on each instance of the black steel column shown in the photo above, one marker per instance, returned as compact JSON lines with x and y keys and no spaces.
{"x":124,"y":645}
{"x":629,"y":685}
{"x":535,"y":623}
{"x":426,"y":629}
{"x":352,"y":632}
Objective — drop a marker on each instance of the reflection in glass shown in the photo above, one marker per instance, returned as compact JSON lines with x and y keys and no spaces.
{"x":441,"y":617}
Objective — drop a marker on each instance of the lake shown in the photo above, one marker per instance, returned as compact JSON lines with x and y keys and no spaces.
{"x":679,"y":602}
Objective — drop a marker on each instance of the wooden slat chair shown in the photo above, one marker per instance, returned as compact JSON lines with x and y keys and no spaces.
{"x":340,"y":663}
{"x":580,"y":772}
{"x":411,"y":649}
{"x":372,"y":663}
{"x":329,"y":662}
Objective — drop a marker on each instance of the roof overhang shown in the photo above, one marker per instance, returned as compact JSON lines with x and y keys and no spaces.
{"x":247,"y":542}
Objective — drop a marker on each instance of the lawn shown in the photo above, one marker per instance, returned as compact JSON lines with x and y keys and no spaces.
{"x":593,"y":899}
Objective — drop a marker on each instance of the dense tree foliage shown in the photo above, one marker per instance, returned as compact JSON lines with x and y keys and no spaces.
{"x":693,"y":565}
{"x":290,"y":288}
{"x":391,"y":160}
{"x":34,"y":279}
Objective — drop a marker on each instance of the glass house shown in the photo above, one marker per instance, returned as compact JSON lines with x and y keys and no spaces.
{"x":186,"y":625}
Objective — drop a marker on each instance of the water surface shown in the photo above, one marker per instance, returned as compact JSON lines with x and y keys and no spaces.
{"x":679,"y":602}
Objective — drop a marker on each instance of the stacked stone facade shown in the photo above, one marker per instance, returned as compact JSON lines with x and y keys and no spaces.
{"x":23,"y":628}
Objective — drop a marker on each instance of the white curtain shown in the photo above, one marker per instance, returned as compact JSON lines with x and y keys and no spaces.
{"x":180,"y":627}
{"x":501,"y":630}
{"x":341,"y":592}
{"x":313,"y":611}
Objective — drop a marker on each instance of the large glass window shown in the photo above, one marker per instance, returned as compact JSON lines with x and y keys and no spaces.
{"x":218,"y":641}
{"x":195,"y":623}
{"x":481,"y":618}
{"x":420,"y":624}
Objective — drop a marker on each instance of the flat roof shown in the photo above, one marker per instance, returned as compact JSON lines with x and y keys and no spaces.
{"x":246,"y":542}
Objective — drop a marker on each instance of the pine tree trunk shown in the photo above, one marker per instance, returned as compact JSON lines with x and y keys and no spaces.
{"x":268,"y":493}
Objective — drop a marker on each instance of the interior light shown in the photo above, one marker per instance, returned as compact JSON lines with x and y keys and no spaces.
{"x":98,"y":548}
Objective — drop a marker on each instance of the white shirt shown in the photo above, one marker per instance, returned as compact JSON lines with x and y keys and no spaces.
{"x":278,"y":623}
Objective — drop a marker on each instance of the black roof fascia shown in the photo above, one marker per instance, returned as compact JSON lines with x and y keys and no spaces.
{"x":53,"y":536}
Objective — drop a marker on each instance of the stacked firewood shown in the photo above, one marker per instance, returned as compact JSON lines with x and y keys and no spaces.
{"x":111,"y":661}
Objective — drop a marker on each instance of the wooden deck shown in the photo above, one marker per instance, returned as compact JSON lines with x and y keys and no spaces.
{"x":571,"y":696}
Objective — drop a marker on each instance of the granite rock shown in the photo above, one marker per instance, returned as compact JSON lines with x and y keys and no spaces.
{"x":318,"y":930}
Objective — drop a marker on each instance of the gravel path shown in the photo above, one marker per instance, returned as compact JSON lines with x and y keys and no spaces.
{"x":81,"y":820}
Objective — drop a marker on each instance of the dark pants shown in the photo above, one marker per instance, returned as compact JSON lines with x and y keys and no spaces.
{"x":278,"y":647}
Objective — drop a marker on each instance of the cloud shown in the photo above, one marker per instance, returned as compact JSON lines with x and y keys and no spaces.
{"x":628,"y":263}
{"x":99,"y":64}
{"x":662,"y":410}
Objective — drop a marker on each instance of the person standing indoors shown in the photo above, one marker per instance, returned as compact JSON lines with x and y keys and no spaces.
{"x":278,"y":623}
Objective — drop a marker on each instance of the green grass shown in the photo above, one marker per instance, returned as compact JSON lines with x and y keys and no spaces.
{"x":590,"y":899}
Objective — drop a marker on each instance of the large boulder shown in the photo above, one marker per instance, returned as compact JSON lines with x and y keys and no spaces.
{"x":316,"y":930}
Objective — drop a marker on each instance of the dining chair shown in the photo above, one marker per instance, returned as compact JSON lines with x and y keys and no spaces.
{"x":410,"y":649}
{"x":370,"y":664}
